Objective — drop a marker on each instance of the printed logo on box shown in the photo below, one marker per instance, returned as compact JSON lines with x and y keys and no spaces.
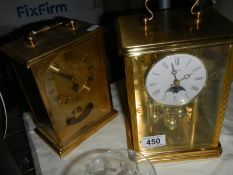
{"x":40,"y":9}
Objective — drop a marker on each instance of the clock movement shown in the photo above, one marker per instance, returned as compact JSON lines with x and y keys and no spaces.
{"x":179,"y":69}
{"x":63,"y":73}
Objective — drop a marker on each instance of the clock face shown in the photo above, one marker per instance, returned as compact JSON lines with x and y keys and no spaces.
{"x":176,"y":79}
{"x":67,"y":75}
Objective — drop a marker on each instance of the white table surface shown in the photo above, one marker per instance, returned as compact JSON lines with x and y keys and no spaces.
{"x":113,"y":136}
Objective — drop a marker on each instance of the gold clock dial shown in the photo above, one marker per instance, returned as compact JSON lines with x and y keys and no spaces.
{"x":67,"y":76}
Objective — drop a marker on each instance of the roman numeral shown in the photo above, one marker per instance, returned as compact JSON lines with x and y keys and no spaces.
{"x":188,"y":62}
{"x":156,"y":92}
{"x":198,"y":78}
{"x":175,"y":99}
{"x":154,"y":73}
{"x":164,"y":65}
{"x":195,"y":88}
{"x":194,"y":70}
{"x":177,"y":61}
{"x":186,"y":95}
{"x":153,"y":84}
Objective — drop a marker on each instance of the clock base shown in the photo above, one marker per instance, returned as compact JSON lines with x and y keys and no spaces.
{"x":194,"y":154}
{"x":62,"y":151}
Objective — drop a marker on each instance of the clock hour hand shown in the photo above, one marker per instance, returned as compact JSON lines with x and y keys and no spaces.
{"x":175,"y":87}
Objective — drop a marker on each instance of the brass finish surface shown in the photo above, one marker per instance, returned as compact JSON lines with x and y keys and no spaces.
{"x":192,"y":130}
{"x":64,"y":79}
{"x":224,"y":95}
{"x":32,"y":35}
{"x":49,"y":42}
{"x":194,"y":154}
{"x":172,"y":30}
{"x":64,"y":150}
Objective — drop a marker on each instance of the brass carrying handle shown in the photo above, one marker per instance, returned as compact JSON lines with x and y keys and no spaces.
{"x":147,"y":19}
{"x":83,"y":115}
{"x":31,"y":36}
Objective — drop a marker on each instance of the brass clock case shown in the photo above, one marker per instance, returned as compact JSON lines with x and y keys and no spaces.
{"x":164,"y":130}
{"x":63,"y":73}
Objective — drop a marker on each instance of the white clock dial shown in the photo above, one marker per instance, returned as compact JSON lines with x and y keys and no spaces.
{"x":176,"y":79}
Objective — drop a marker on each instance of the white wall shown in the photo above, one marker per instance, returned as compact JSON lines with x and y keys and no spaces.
{"x":14,"y":13}
{"x":225,"y":7}
{"x":121,"y":5}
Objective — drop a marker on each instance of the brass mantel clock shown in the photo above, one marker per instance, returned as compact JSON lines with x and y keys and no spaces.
{"x":63,"y":73}
{"x":179,"y":69}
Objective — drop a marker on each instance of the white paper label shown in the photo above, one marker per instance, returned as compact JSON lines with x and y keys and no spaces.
{"x":92,"y":28}
{"x":153,"y":141}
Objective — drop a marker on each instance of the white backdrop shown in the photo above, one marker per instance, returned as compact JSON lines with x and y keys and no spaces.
{"x":225,"y":8}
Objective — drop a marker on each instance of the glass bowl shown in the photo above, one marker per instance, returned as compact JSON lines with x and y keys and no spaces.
{"x":110,"y":162}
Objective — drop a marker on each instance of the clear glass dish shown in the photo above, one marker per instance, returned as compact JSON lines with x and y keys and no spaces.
{"x":111,"y":162}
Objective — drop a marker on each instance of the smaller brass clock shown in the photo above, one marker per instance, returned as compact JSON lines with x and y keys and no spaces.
{"x":63,"y":73}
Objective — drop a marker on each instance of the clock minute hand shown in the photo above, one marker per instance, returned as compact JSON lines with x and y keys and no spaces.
{"x":173,"y":72}
{"x":186,"y":76}
{"x":63,"y":75}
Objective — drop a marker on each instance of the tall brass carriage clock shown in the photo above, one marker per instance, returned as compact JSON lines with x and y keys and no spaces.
{"x":62,"y":70}
{"x":179,"y":69}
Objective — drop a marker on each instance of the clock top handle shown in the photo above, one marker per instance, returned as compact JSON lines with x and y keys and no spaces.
{"x":194,"y":5}
{"x":147,"y":19}
{"x":197,"y":3}
{"x":31,"y":36}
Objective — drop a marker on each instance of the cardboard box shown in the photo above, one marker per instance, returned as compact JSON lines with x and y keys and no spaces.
{"x":14,"y":13}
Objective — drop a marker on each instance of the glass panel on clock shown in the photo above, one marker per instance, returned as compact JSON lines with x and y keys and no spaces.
{"x":71,"y":79}
{"x":191,"y":124}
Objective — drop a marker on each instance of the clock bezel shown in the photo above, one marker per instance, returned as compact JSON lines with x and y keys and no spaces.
{"x":164,"y":57}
